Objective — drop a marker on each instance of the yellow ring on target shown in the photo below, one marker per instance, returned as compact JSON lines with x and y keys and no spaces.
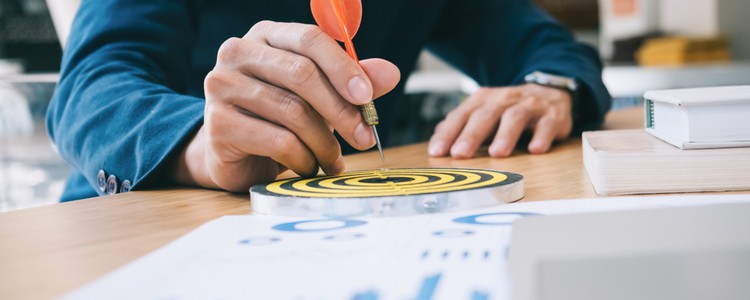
{"x":361,"y":184}
{"x":380,"y":190}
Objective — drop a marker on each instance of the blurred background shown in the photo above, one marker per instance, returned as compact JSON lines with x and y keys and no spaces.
{"x":646,"y":44}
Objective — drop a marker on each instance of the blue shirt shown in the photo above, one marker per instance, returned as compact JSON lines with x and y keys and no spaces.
{"x":131,"y":88}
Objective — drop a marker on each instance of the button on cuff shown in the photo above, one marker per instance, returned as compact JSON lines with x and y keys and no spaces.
{"x":125,"y":186}
{"x":112,"y":185}
{"x":101,"y":180}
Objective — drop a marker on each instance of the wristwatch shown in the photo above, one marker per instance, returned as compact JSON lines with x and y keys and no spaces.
{"x":550,"y":80}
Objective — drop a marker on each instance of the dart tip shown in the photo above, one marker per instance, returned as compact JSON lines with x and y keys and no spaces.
{"x":377,"y":142}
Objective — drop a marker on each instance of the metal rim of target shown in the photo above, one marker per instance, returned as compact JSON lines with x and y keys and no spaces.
{"x":387,"y":192}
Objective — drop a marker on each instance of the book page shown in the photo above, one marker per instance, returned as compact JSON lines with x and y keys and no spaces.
{"x":460,"y":255}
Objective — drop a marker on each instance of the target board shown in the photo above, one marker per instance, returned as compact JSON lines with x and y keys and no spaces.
{"x":387,"y":192}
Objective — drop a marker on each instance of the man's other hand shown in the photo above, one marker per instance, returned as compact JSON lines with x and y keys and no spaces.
{"x":502,"y":115}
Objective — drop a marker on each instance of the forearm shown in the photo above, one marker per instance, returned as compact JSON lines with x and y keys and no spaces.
{"x":120,"y":104}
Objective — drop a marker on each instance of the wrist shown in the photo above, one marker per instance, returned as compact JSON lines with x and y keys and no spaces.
{"x":551,"y":80}
{"x":190,"y":166}
{"x":563,"y":83}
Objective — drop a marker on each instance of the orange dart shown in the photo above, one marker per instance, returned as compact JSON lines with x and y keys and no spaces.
{"x":340,"y":19}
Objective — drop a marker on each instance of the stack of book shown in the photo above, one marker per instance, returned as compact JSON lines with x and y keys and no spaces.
{"x":695,"y":140}
{"x":683,"y":50}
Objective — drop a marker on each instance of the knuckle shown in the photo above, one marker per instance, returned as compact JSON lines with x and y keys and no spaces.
{"x":483,"y":92}
{"x":483,"y":114}
{"x":229,"y":49}
{"x":470,"y":137}
{"x":344,"y":116}
{"x":286,"y":143}
{"x":327,"y":151}
{"x":506,"y":93}
{"x":561,"y":115}
{"x":536,"y":101}
{"x":553,"y":116}
{"x":454,"y":116}
{"x":516,"y":112}
{"x":302,"y":71}
{"x":310,"y":36}
{"x":548,"y":122}
{"x":333,"y":148}
{"x":473,"y":136}
{"x":214,"y":84}
{"x":344,"y":112}
{"x":261,"y":26}
{"x":294,"y":108}
{"x":256,"y":92}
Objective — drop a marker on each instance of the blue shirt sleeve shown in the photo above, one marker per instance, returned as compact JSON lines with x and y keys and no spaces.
{"x":121,"y":104}
{"x":498,"y":42}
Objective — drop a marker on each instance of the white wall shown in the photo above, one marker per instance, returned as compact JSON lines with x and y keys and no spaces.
{"x":733,"y":22}
{"x":691,"y":17}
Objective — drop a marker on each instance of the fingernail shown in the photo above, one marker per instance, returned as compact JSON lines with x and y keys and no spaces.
{"x":498,"y":148}
{"x":362,"y":136}
{"x":437,"y":149}
{"x":360,"y":91}
{"x":461,"y":149}
{"x":338,"y":166}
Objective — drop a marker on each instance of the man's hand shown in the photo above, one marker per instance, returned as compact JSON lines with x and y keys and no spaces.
{"x":504,"y":113}
{"x":272,"y":102}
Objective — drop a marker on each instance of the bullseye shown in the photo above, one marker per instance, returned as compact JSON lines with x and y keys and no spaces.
{"x":377,"y":192}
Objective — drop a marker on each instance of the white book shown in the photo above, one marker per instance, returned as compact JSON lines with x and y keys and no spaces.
{"x":700,"y":118}
{"x":633,"y":162}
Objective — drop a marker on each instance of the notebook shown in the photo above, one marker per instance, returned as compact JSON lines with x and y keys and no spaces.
{"x":634,"y":162}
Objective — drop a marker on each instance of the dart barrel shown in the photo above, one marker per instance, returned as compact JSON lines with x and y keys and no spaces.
{"x":370,"y":114}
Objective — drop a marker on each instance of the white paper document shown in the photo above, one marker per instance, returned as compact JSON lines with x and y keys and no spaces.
{"x":441,"y":256}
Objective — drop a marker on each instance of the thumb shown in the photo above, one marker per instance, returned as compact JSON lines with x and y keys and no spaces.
{"x":383,"y":74}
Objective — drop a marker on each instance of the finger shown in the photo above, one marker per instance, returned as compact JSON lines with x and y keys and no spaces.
{"x":282,"y":108}
{"x":512,"y":124}
{"x":446,"y":132}
{"x":548,"y":129}
{"x":383,"y":74}
{"x":544,"y":134}
{"x":302,"y":76}
{"x":240,"y":133}
{"x":345,"y":74}
{"x":480,"y":125}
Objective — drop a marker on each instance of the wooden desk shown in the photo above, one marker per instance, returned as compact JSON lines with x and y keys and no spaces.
{"x":47,"y":251}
